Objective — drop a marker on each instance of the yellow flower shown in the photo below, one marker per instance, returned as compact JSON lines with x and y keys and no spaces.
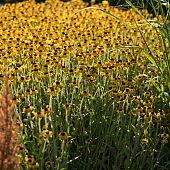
{"x":139,"y":108}
{"x":20,"y":95}
{"x":14,"y":100}
{"x":120,"y":111}
{"x":147,"y":94}
{"x":28,"y":108}
{"x":74,"y":84}
{"x":51,"y":91}
{"x":28,"y":91}
{"x":105,"y":3}
{"x":20,"y":150}
{"x":48,"y":163}
{"x":144,"y":141}
{"x":47,"y":133}
{"x":63,"y":136}
{"x":88,"y":141}
{"x":34,"y":91}
{"x":84,"y":93}
{"x":29,"y":159}
{"x":67,"y":106}
{"x":164,"y":135}
{"x":38,"y":114}
{"x":34,"y":165}
{"x":58,"y":84}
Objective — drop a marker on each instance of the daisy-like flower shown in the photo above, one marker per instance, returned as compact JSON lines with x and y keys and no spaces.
{"x":34,"y":91}
{"x":20,"y":95}
{"x":20,"y":150}
{"x":88,"y":141}
{"x":48,"y":164}
{"x":144,"y":141}
{"x":29,"y":159}
{"x":38,"y":114}
{"x":120,"y":111}
{"x":28,"y":108}
{"x":51,"y":91}
{"x":28,"y":91}
{"x":84,"y":93}
{"x":74,"y":84}
{"x":58,"y":84}
{"x":14,"y":100}
{"x":147,"y":94}
{"x":47,"y":133}
{"x":139,"y":108}
{"x":164,"y":135}
{"x":67,"y":106}
{"x":63,"y":136}
{"x":34,"y":165}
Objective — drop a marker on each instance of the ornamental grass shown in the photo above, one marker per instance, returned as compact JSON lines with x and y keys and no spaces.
{"x":90,"y":84}
{"x":8,"y":133}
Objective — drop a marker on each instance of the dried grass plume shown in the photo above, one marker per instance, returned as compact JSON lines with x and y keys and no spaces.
{"x":9,"y":139}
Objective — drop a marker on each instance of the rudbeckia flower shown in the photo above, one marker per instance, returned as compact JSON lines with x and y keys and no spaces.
{"x":34,"y":165}
{"x":48,"y":164}
{"x":20,"y":150}
{"x":28,"y":91}
{"x":47,"y":133}
{"x":144,"y":141}
{"x":38,"y":114}
{"x":84,"y":93}
{"x":29,"y":159}
{"x":51,"y":91}
{"x":164,"y":135}
{"x":63,"y":136}
{"x":88,"y":141}
{"x":58,"y":84}
{"x":14,"y":100}
{"x":67,"y":106}
{"x":20,"y":95}
{"x":28,"y":108}
{"x":74,"y":84}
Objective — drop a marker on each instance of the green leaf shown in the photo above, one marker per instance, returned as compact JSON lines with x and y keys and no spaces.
{"x":127,"y":164}
{"x":146,"y":134}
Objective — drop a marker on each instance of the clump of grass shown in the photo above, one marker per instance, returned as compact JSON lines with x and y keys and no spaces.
{"x":8,"y":132}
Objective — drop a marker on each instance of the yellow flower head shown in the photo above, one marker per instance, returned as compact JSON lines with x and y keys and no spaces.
{"x":28,"y":108}
{"x":29,"y":159}
{"x":38,"y":114}
{"x":105,"y":3}
{"x":20,"y":150}
{"x":47,"y":133}
{"x":34,"y":165}
{"x":164,"y":135}
{"x":58,"y":84}
{"x":67,"y":106}
{"x":74,"y":84}
{"x":63,"y":136}
{"x":144,"y":141}
{"x":88,"y":141}
{"x":84,"y":93}
{"x":48,"y":164}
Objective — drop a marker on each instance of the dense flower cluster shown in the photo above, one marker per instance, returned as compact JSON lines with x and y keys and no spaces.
{"x":49,"y":55}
